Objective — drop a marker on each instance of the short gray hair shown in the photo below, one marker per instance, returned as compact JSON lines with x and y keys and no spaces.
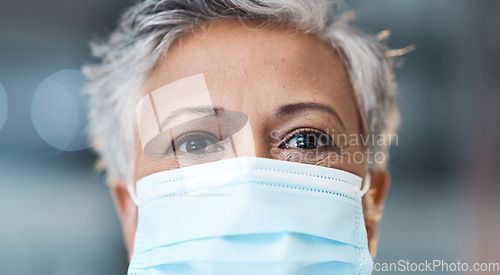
{"x":147,"y":29}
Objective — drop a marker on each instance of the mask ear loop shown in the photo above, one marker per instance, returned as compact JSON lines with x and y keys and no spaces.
{"x":131,"y":185}
{"x":133,"y":193}
{"x":365,"y":185}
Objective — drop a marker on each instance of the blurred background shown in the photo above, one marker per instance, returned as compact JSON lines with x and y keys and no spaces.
{"x":56,"y":214}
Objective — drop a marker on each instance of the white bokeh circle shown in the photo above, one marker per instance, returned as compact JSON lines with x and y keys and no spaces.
{"x":59,"y":111}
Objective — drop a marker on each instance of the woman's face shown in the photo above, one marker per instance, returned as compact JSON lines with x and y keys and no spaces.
{"x":292,"y":87}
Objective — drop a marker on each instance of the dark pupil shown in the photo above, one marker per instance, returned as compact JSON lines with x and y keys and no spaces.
{"x":196,"y":145}
{"x":306,"y":141}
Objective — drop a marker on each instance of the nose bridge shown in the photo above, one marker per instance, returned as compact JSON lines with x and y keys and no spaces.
{"x":262,"y":148}
{"x":252,"y":140}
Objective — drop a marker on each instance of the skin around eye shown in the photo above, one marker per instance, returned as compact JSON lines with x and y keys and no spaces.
{"x":306,"y":139}
{"x":197,"y":143}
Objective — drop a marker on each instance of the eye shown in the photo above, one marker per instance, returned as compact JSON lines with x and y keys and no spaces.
{"x":308,"y":138}
{"x":197,"y":143}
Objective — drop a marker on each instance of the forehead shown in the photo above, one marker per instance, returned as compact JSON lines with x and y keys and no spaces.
{"x":248,"y":53}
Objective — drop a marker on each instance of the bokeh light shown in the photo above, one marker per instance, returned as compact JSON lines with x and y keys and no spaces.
{"x":59,"y":111}
{"x":3,"y":106}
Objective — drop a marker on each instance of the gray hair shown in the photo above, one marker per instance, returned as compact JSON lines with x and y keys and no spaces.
{"x":147,"y":29}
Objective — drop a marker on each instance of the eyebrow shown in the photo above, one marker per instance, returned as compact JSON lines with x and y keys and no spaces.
{"x":199,"y":110}
{"x":292,"y":109}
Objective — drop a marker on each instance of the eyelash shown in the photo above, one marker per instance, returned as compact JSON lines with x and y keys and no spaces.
{"x":178,"y":141}
{"x":330,"y":145}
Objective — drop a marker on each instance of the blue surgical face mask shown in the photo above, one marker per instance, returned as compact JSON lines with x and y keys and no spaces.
{"x":250,"y":215}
